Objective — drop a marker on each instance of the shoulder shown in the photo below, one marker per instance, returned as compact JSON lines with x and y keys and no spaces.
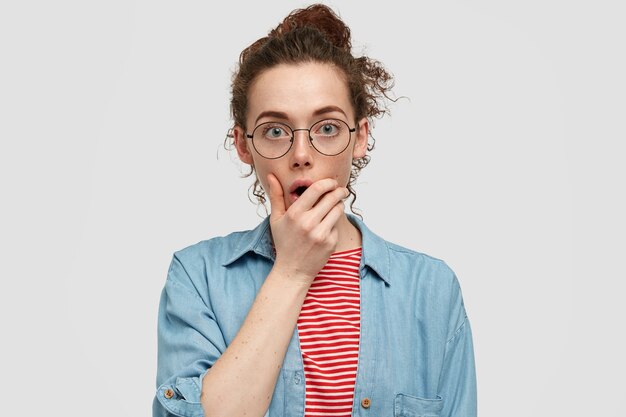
{"x":192,"y":266}
{"x":428,"y":283}
{"x":211,"y":247}
{"x":394,"y":262}
{"x":419,"y":259}
{"x":412,"y":265}
{"x":222,"y":250}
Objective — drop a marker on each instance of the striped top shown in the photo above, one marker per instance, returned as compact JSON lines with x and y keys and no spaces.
{"x":328,"y":327}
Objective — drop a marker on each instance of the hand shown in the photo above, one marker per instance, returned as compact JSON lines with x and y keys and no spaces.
{"x":305,"y":235}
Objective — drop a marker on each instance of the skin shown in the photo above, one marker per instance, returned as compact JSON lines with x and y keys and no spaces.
{"x":298,"y":91}
{"x":306,"y":230}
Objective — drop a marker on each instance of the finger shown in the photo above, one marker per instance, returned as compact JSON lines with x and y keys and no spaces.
{"x":277,"y":196}
{"x":332,"y":217}
{"x":312,"y":194}
{"x":327,"y":202}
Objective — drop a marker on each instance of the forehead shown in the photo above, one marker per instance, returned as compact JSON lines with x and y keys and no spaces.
{"x":298,"y":90}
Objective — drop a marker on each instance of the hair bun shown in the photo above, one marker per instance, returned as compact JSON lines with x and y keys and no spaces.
{"x":320,"y":17}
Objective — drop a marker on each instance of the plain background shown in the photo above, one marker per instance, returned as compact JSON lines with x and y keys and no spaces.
{"x":506,"y":161}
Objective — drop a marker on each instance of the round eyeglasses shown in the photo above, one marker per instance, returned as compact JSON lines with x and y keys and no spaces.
{"x":273,"y":140}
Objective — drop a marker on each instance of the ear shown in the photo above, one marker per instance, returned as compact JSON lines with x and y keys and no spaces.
{"x":361,"y":136}
{"x":241,"y":144}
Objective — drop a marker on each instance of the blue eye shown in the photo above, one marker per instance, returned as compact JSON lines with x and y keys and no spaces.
{"x":274,"y":131}
{"x":328,"y":129}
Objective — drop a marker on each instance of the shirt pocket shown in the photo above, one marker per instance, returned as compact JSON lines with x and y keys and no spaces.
{"x":410,"y":406}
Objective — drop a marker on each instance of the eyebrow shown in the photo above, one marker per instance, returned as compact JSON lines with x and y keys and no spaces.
{"x":284,"y":116}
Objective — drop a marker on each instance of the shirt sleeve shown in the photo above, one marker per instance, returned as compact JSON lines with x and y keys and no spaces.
{"x":457,"y":385}
{"x":189,"y":343}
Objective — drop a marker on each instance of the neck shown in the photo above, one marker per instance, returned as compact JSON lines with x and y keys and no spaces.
{"x":349,"y":235}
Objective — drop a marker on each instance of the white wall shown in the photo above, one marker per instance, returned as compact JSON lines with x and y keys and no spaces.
{"x":507,"y":162}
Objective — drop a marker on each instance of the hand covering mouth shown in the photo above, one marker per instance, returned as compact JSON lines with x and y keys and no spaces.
{"x":299,"y":187}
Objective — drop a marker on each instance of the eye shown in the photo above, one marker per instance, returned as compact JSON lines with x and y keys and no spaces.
{"x":275,"y":131}
{"x":328,"y":128}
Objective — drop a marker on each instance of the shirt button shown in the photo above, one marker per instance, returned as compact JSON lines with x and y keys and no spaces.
{"x":168,"y":393}
{"x":366,"y":402}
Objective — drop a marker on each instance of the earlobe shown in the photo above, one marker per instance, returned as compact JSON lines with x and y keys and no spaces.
{"x":241,"y":144}
{"x":362,"y":134}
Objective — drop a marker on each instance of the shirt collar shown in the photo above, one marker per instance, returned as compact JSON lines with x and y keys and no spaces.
{"x":257,"y":240}
{"x":375,"y":254}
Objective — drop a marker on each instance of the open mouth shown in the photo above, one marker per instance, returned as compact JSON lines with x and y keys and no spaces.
{"x":300,"y":190}
{"x":298,"y":187}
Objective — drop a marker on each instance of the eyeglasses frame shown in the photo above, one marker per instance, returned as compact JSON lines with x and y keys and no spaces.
{"x":293,"y":137}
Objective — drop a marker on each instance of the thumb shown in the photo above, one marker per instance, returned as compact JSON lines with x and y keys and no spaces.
{"x":277,"y":197}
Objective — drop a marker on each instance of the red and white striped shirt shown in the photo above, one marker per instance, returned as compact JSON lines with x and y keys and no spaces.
{"x":328,"y":327}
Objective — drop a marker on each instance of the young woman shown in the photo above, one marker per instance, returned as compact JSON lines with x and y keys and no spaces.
{"x":310,"y":313}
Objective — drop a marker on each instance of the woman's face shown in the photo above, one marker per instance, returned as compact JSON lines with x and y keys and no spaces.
{"x":300,"y":95}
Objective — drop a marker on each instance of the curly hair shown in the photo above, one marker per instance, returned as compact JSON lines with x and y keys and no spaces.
{"x":312,"y":34}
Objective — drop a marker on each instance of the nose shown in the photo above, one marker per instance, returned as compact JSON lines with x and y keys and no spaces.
{"x":302,"y":151}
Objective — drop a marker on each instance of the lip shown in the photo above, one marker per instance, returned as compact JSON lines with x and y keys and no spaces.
{"x":294,"y":186}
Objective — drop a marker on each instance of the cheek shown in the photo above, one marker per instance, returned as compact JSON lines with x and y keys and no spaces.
{"x":262,"y":168}
{"x":343,"y":174}
{"x":261,"y":174}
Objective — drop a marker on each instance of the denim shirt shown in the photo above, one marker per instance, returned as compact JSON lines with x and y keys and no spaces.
{"x":415,"y":351}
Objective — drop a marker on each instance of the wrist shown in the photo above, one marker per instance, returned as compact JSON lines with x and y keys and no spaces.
{"x":292,"y":275}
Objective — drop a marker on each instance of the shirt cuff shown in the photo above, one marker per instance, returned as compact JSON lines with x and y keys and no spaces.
{"x":183,"y":397}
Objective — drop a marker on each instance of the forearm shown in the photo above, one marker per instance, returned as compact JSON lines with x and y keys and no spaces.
{"x":242,"y":380}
